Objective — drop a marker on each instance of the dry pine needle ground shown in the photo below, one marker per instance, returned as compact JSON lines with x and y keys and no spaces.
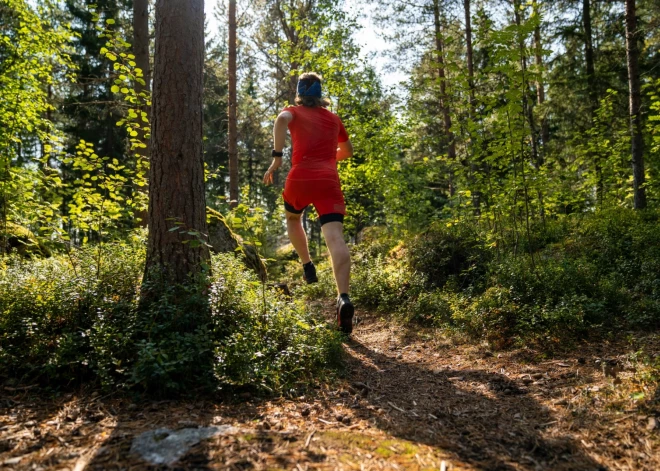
{"x":411,"y":401}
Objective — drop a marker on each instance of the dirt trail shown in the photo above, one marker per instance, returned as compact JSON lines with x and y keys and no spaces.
{"x":410,"y":400}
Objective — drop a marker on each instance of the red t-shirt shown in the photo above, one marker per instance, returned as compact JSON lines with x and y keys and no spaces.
{"x":315,"y":133}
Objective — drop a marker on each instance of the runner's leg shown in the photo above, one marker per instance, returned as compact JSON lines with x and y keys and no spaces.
{"x":297,"y":236}
{"x":333,"y":232}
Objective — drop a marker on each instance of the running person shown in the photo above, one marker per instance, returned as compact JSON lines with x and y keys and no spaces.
{"x":319,"y":141}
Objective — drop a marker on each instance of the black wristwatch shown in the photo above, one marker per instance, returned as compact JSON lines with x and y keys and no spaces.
{"x":277,"y":154}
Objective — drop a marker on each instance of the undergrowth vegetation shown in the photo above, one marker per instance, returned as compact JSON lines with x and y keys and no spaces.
{"x":71,"y":319}
{"x":582,"y":274}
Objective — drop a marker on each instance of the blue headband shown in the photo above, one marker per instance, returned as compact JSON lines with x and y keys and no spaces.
{"x":306,"y":89}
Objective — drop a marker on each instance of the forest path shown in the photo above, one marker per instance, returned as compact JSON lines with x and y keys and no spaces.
{"x":410,"y":401}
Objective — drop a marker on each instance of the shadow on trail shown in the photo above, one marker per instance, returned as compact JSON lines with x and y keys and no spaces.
{"x":500,"y":427}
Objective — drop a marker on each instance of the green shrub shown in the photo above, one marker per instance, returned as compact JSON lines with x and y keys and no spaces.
{"x":444,"y":254}
{"x":589,"y":273}
{"x":263,"y":339}
{"x":79,"y":318}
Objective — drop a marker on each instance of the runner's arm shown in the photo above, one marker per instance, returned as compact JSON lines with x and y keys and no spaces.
{"x":279,"y":139}
{"x":279,"y":130}
{"x":344,"y":150}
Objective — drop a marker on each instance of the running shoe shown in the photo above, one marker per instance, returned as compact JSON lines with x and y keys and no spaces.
{"x":309,"y":273}
{"x":345,"y":311}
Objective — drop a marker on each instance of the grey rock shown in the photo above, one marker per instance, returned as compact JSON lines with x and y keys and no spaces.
{"x":165,"y":446}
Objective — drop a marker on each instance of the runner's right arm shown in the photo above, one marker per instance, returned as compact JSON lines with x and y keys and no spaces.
{"x":279,"y":139}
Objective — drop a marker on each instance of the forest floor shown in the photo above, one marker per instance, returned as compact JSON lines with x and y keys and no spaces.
{"x":410,"y":400}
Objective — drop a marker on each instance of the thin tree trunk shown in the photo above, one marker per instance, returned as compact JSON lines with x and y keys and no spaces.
{"x":589,"y":55}
{"x":444,"y":100}
{"x":632,"y":52}
{"x":141,"y":42}
{"x":141,"y":52}
{"x":476,"y":194}
{"x":540,"y":85}
{"x":233,"y":147}
{"x":527,"y":108}
{"x":470,"y":57}
{"x":592,"y":91}
{"x":176,"y":173}
{"x":537,"y":160}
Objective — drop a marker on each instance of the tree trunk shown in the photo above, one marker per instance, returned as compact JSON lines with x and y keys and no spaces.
{"x":141,"y":42}
{"x":444,"y":100}
{"x":540,"y":85}
{"x":527,"y":108}
{"x":632,"y":52}
{"x":470,"y":57}
{"x":176,"y":173}
{"x":141,"y":52}
{"x":589,"y":56}
{"x":233,"y":147}
{"x":592,"y":91}
{"x":476,"y":194}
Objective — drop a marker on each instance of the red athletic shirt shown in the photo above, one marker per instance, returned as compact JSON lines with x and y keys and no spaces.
{"x":315,"y":133}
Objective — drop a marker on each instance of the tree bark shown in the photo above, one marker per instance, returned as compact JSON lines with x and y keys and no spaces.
{"x":632,"y":52}
{"x":233,"y":139}
{"x":176,"y":174}
{"x":444,"y":99}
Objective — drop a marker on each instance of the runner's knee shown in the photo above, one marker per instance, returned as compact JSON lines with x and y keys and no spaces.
{"x":292,"y":216}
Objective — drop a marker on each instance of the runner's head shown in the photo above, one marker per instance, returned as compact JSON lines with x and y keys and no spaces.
{"x":309,"y":91}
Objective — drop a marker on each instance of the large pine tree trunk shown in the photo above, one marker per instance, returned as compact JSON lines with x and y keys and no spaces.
{"x":632,"y":52}
{"x":444,"y":99}
{"x":176,"y":174}
{"x":233,"y":147}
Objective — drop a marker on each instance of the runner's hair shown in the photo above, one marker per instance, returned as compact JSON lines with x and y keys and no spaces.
{"x":312,"y":101}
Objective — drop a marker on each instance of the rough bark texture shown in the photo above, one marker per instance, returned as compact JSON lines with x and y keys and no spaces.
{"x":632,"y":52}
{"x":233,"y":133}
{"x":176,"y":174}
{"x":444,"y":100}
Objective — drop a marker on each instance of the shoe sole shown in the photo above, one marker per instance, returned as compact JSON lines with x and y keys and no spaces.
{"x":346,"y":312}
{"x":309,"y":282}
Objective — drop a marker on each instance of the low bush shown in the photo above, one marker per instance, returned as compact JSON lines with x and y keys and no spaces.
{"x":455,"y":254}
{"x":598,"y":272}
{"x":78,"y":318}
